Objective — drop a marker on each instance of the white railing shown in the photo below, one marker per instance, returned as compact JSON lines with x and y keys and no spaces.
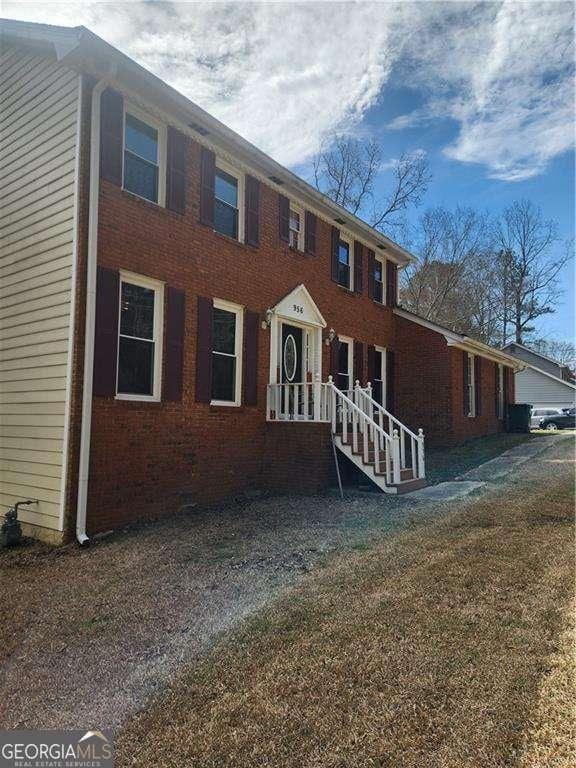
{"x":411,"y":444}
{"x":358,"y":429}
{"x":304,"y":401}
{"x":358,"y":419}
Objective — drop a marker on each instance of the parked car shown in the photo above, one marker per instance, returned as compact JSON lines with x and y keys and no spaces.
{"x":565,"y":420}
{"x":537,"y":414}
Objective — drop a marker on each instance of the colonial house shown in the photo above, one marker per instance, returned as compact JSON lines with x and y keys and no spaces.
{"x":542,"y":382}
{"x":182,"y":318}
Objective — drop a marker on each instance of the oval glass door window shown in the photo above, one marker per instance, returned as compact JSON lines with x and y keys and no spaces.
{"x":290,"y":357}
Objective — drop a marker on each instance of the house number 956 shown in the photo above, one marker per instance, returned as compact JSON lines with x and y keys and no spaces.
{"x":298,"y":309}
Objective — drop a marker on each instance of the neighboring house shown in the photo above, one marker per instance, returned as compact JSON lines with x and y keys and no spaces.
{"x":183,"y":318}
{"x":542,"y":382}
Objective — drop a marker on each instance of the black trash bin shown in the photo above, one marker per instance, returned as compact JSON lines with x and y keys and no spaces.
{"x":518,"y":417}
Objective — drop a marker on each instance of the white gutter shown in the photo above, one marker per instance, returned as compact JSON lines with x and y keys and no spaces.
{"x":91,"y":262}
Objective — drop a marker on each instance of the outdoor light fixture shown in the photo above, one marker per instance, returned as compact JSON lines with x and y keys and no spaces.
{"x":330,"y":338}
{"x":268,"y":320}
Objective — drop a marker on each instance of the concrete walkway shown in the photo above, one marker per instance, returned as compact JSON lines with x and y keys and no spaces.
{"x":493,"y":470}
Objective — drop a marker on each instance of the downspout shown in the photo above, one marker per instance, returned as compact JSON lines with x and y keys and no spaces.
{"x":91,"y":261}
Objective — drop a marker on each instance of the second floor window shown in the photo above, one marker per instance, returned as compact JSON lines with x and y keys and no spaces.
{"x":378,"y":281}
{"x":226,"y":204}
{"x":344,"y":264}
{"x":295,"y":230}
{"x":141,"y":158}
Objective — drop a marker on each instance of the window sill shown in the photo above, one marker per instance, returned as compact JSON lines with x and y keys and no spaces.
{"x":232,"y":240}
{"x":349,"y":291}
{"x":224,"y":407}
{"x":145,"y":200}
{"x":137,"y":398}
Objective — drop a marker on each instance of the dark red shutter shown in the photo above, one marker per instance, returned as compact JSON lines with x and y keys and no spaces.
{"x":111,"y":136}
{"x":359,"y":362}
{"x":371,"y":363}
{"x":176,"y":171}
{"x":391,"y":284}
{"x":204,"y":350}
{"x":207,"y":180}
{"x":251,"y":330}
{"x":175,"y":324}
{"x":334,"y":359}
{"x":310,"y":234}
{"x":478,"y":385}
{"x":371,"y":256}
{"x":465,"y":385}
{"x":390,"y":381}
{"x":496,"y":388}
{"x":106,"y":332}
{"x":358,"y":267}
{"x":283,"y":218}
{"x":252,"y":210}
{"x":334,"y":246}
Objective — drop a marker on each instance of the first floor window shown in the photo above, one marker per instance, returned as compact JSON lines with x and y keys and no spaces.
{"x":471,"y":387}
{"x":344,"y":365}
{"x":344,"y":264}
{"x":378,"y":281}
{"x":378,"y":385}
{"x":226,"y":204}
{"x":139,"y":342}
{"x":141,"y":158}
{"x":226,"y":353}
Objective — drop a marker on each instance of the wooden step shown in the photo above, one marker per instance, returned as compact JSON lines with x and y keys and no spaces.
{"x":411,"y":485}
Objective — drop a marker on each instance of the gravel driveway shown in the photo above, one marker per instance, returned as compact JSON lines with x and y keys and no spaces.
{"x":87,"y":636}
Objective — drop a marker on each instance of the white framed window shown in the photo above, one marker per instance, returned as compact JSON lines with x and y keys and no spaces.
{"x":296,"y":228}
{"x":144,"y":161}
{"x":500,"y":413}
{"x":227,"y":332}
{"x":471,"y":386}
{"x":344,"y":375}
{"x":379,"y":383}
{"x":346,"y":263}
{"x":379,"y":278}
{"x":140,"y":333}
{"x":229,"y":201}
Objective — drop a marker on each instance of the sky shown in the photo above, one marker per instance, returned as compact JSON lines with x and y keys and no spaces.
{"x":484,"y":90}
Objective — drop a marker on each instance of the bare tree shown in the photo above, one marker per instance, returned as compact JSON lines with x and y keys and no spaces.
{"x":528,"y":273}
{"x":451,"y":283}
{"x":564,"y":352}
{"x":346,"y":171}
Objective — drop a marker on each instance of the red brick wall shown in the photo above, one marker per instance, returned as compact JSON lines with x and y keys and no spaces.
{"x":423,"y":380}
{"x":467,"y":427}
{"x":148,"y":459}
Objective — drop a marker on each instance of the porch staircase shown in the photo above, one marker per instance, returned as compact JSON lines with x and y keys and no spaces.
{"x":386,"y":451}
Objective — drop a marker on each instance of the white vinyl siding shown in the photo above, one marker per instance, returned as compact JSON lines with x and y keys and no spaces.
{"x":38,"y":138}
{"x":540,"y":390}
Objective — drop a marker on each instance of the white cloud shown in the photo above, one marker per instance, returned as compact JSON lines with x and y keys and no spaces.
{"x":286,"y":76}
{"x":504,"y":73}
